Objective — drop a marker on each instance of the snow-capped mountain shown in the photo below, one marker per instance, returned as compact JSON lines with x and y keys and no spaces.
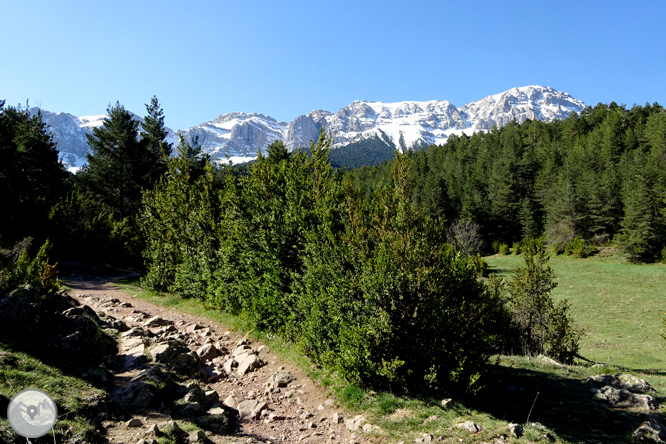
{"x":69,"y":133}
{"x":237,"y":134}
{"x":411,"y":124}
{"x":401,"y":124}
{"x":520,"y":104}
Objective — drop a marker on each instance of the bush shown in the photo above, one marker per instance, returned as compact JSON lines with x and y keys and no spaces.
{"x":367,"y":287}
{"x":23,"y":270}
{"x":516,"y":248}
{"x":540,"y":326}
{"x":579,"y":248}
{"x":556,"y":248}
{"x":503,"y":249}
{"x":495,"y":245}
{"x":477,"y":264}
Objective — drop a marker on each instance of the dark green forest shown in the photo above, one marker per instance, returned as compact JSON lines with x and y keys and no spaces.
{"x":598,"y":178}
{"x":375,"y":270}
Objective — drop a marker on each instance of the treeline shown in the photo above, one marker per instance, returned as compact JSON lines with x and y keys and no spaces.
{"x":597,"y":178}
{"x":369,"y":288}
{"x":372,"y":151}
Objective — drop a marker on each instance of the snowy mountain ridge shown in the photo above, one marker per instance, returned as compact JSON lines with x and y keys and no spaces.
{"x":405,"y":124}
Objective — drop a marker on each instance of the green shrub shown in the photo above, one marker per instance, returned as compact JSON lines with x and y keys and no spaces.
{"x":503,"y":249}
{"x":478,"y":265}
{"x":495,"y":245}
{"x":556,"y":248}
{"x":24,"y":270}
{"x":516,"y":248}
{"x":366,"y":286}
{"x":539,"y":325}
{"x":562,"y":342}
{"x":579,"y":248}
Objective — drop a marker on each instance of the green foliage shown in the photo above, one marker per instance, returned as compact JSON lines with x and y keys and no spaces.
{"x":516,"y":248}
{"x":83,"y":227}
{"x":154,"y":134}
{"x":366,"y":152}
{"x":177,"y":221}
{"x":579,"y":248}
{"x":597,"y":176}
{"x":388,"y":314}
{"x":477,"y":264}
{"x":118,"y":162}
{"x":32,"y":178}
{"x":563,"y":340}
{"x":503,"y":249}
{"x":17,"y":268}
{"x":540,"y":326}
{"x":367,"y":286}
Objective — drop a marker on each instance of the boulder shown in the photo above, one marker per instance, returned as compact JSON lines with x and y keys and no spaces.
{"x":651,"y":431}
{"x":138,"y":394}
{"x":230,"y":401}
{"x":215,"y":421}
{"x":622,"y":381}
{"x":135,"y":357}
{"x":516,"y":430}
{"x":197,"y":436}
{"x":625,"y":399}
{"x":157,"y":321}
{"x":355,"y":423}
{"x":133,"y":332}
{"x":193,"y":327}
{"x":469,"y":426}
{"x":251,"y":408}
{"x":134,"y":422}
{"x":248,"y":364}
{"x":107,"y":321}
{"x":207,"y":352}
{"x":176,"y":355}
{"x":280,"y":379}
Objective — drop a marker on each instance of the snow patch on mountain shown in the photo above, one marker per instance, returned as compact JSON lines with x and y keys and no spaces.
{"x":408,"y":124}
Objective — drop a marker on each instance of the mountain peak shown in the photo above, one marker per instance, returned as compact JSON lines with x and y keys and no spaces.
{"x":403,"y":124}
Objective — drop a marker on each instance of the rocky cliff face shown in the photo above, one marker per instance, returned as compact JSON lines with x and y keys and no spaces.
{"x":404,"y":124}
{"x":69,"y":133}
{"x":520,"y":104}
{"x":236,"y":134}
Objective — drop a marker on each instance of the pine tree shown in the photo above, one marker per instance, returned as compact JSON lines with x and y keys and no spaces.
{"x":119,"y":163}
{"x":32,"y":178}
{"x":154,"y":134}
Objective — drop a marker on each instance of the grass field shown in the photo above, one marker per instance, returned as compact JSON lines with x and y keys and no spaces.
{"x":620,"y":306}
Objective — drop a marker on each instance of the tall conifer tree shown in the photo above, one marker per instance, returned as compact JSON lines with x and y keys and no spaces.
{"x":154,"y":134}
{"x":118,"y":163}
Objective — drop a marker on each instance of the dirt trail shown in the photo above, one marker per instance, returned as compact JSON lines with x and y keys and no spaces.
{"x":302,"y":414}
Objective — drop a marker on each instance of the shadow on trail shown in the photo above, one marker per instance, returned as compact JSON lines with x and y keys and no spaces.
{"x":565,"y":405}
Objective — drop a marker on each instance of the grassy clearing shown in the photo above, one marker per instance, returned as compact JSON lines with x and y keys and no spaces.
{"x":620,"y":305}
{"x":611,"y":299}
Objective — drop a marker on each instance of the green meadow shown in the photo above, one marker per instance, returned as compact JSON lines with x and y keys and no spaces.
{"x":619,"y":305}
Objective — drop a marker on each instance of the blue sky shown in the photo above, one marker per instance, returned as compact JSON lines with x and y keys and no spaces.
{"x":286,"y":58}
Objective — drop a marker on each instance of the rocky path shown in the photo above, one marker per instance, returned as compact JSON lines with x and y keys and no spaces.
{"x":273,"y":402}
